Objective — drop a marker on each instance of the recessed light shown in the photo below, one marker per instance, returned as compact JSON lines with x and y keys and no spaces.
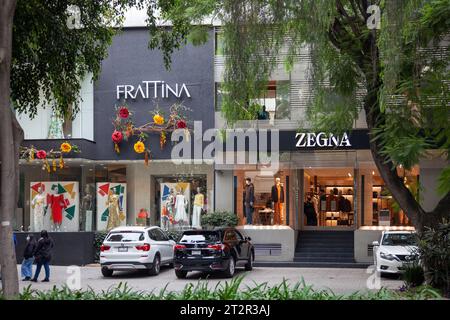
{"x":349,"y":174}
{"x":373,"y":173}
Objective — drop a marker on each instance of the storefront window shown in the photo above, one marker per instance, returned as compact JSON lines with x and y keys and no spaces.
{"x":380,"y":208}
{"x":329,"y":197}
{"x":180,"y":201}
{"x":74,"y":198}
{"x":262,"y":199}
{"x":274,"y":101}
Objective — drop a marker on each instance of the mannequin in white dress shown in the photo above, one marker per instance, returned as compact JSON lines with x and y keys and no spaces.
{"x":38,"y":205}
{"x":180,"y":208}
{"x":199,"y":202}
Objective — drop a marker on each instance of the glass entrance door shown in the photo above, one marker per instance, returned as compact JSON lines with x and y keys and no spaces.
{"x":328,"y":199}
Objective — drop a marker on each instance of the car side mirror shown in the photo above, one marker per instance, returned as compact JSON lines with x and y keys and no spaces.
{"x":376,"y":244}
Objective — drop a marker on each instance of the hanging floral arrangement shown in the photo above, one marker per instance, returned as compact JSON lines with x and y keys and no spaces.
{"x":49,"y":158}
{"x":125,"y":128}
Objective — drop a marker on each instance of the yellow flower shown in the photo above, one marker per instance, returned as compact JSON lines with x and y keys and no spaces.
{"x":66,"y":147}
{"x":139,"y":147}
{"x":158,"y":119}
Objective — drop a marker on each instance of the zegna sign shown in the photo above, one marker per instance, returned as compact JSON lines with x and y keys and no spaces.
{"x":152,"y":89}
{"x":321,"y":139}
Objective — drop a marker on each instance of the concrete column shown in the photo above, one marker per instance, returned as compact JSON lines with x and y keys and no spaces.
{"x":430,"y":171}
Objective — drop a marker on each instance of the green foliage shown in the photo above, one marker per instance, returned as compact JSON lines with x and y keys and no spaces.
{"x":413,"y":275}
{"x":99,"y":237}
{"x":434,"y":248}
{"x":230,"y":290}
{"x":220,"y":219}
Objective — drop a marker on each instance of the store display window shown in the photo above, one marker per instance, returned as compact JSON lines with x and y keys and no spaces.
{"x":83,"y":196}
{"x":262,"y":199}
{"x":380,"y":207}
{"x":180,"y":201}
{"x":329,"y":197}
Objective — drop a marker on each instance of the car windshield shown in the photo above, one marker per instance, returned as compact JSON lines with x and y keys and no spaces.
{"x":197,"y":237}
{"x":399,"y":239}
{"x":125,"y":236}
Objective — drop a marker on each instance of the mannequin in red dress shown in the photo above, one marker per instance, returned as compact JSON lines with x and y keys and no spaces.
{"x":56,"y":202}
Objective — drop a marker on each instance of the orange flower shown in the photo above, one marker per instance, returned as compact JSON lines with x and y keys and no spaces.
{"x":139,"y":147}
{"x":66,"y":147}
{"x":158,"y":119}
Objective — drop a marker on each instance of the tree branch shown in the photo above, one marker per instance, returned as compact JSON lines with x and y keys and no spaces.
{"x":350,"y":20}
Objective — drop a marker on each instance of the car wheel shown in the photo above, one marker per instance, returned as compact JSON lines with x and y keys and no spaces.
{"x":107,"y":272}
{"x":181,"y":274}
{"x":249,"y":264}
{"x":229,"y":273}
{"x":156,"y":266}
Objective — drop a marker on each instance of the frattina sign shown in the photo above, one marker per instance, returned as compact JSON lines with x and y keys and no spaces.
{"x":321,"y":139}
{"x":152,"y":89}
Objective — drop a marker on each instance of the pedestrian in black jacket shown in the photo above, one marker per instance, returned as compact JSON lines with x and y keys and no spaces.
{"x":43,"y":255}
{"x":28,"y":258}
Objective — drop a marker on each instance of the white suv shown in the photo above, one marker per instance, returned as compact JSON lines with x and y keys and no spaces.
{"x":136,"y":248}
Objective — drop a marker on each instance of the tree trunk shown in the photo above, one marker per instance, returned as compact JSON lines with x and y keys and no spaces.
{"x":8,"y":155}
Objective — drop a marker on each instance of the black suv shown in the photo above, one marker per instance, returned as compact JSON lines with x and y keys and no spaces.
{"x":213,"y":250}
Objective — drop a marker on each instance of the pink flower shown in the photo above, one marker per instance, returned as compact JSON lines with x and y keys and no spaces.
{"x":124,"y":112}
{"x":181,"y":124}
{"x":41,"y":154}
{"x":117,"y":136}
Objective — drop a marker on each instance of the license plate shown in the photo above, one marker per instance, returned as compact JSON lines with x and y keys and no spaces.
{"x":196,"y":252}
{"x":123,"y":249}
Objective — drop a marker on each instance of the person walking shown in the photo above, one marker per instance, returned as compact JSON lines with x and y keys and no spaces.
{"x":43,"y":255}
{"x":249,"y":198}
{"x":28,"y":258}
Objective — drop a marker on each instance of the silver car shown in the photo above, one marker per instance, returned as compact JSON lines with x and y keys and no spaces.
{"x":136,"y":248}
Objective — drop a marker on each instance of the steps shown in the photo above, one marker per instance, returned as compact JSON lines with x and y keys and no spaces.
{"x":325,"y":249}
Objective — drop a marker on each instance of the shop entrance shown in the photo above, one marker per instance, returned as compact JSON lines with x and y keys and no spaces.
{"x":329,"y":199}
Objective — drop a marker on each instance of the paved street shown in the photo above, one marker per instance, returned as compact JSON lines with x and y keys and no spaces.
{"x":338,"y":280}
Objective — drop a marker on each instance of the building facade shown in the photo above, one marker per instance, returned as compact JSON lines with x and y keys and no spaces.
{"x":329,"y":183}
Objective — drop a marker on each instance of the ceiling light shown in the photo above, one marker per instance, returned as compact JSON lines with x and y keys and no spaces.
{"x":373,"y":173}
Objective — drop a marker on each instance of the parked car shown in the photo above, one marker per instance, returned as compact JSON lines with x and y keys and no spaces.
{"x":221,"y":250}
{"x":394,"y":251}
{"x":136,"y":248}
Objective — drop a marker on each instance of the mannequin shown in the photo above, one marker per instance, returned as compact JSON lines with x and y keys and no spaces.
{"x":180,"y":208}
{"x":167,"y":210}
{"x":277,"y":202}
{"x":199,"y":202}
{"x":56,"y":202}
{"x":39,"y":210}
{"x":87,"y":205}
{"x":114,"y":210}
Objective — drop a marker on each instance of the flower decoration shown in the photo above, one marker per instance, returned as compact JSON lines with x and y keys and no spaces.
{"x":66,"y":147}
{"x":158,"y":119}
{"x":181,"y":124}
{"x":117,"y":136}
{"x":124,"y":113}
{"x":41,"y":154}
{"x":162,"y":139}
{"x":139,"y":147}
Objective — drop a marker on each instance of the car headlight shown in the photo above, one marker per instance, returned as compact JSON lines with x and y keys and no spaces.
{"x":388,"y":256}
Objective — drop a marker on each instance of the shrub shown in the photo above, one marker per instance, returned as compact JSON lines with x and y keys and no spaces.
{"x":219,"y":219}
{"x":434,"y":248}
{"x":99,"y":237}
{"x":413,"y":275}
{"x":229,"y":290}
